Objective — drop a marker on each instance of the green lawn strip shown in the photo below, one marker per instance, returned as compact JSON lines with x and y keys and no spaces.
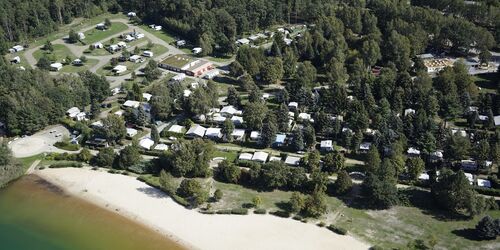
{"x":60,"y":52}
{"x":219,"y":59}
{"x":229,"y":155}
{"x":27,"y":161}
{"x":95,"y":35}
{"x":163,"y":35}
{"x":23,"y":63}
{"x":76,"y":69}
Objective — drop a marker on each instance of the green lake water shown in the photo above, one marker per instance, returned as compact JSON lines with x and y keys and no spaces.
{"x":36,"y":215}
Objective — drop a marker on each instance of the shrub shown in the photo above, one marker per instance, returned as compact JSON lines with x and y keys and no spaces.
{"x":113,"y":171}
{"x":488,"y":191}
{"x":281,"y":213}
{"x":207,"y":212}
{"x":218,"y":195}
{"x":223,"y":211}
{"x":297,"y":217}
{"x":66,"y":165}
{"x":240,"y":211}
{"x":259,"y":211}
{"x":321,"y":224}
{"x":337,"y":230}
{"x":65,"y":145}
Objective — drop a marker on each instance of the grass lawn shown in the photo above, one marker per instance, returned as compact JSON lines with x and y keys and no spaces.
{"x":76,"y":25}
{"x":487,"y":82}
{"x":76,"y":69}
{"x":60,"y":52}
{"x":156,"y":49}
{"x":229,"y":155}
{"x":27,"y":161}
{"x":220,"y":59}
{"x":95,"y":35}
{"x":23,"y":63}
{"x":97,"y":52}
{"x":163,"y":35}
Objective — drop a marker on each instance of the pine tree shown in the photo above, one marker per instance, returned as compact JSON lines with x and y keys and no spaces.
{"x":155,"y":135}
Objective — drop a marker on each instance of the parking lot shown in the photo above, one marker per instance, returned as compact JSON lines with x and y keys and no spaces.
{"x":38,"y":143}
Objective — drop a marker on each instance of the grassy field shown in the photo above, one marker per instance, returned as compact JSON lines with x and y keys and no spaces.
{"x":76,"y":69}
{"x":163,"y":35}
{"x":390,"y":229}
{"x":95,"y":35}
{"x":60,"y":52}
{"x":487,"y":82}
{"x":23,"y":63}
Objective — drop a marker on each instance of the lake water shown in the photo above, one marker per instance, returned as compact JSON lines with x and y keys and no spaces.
{"x":37,"y":215}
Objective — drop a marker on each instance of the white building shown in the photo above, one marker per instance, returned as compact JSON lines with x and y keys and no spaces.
{"x":260,"y":156}
{"x":135,"y":59}
{"x":255,"y":135}
{"x":326,"y":145}
{"x":161,"y":147}
{"x":237,"y":120}
{"x":131,"y":104}
{"x":146,"y":143}
{"x":157,"y":27}
{"x":147,"y":96}
{"x":483,"y":183}
{"x":409,"y":111}
{"x":131,"y":132}
{"x":98,"y":45}
{"x":118,"y":69}
{"x":81,"y":36}
{"x":56,"y":66}
{"x":238,"y":134}
{"x":413,"y":151}
{"x":131,"y":14}
{"x":16,"y":48}
{"x":243,"y":41}
{"x":147,"y":53}
{"x":197,"y":50}
{"x":365,"y":146}
{"x":180,"y":43}
{"x":196,"y":131}
{"x":245,"y":157}
{"x":212,"y":74}
{"x":293,"y":105}
{"x":213,"y":133}
{"x":16,"y":60}
{"x":179,"y":77}
{"x":177,"y":129}
{"x":292,"y":160}
{"x":228,"y":111}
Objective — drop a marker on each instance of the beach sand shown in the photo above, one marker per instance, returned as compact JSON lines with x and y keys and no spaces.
{"x":140,"y":202}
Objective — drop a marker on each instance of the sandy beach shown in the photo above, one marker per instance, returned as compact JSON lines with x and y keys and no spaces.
{"x":138,"y":201}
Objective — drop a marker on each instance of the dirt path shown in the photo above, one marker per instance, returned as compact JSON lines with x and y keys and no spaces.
{"x":33,"y":166}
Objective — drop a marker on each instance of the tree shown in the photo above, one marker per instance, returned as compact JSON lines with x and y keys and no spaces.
{"x":343,"y":184}
{"x":218,"y":195}
{"x":254,"y":115}
{"x":336,"y":72}
{"x":398,"y":50}
{"x":227,"y":130}
{"x":333,"y":162}
{"x":373,"y":161}
{"x":269,"y":130}
{"x":415,"y":167}
{"x":236,"y":69}
{"x":73,"y":37}
{"x":129,"y":156}
{"x":112,"y":129}
{"x":233,"y":97}
{"x":85,"y":155}
{"x":104,"y":158}
{"x":190,"y":158}
{"x":9,"y":168}
{"x":453,"y":192}
{"x":379,"y":186}
{"x":282,"y":117}
{"x":48,"y":46}
{"x":107,"y":22}
{"x":272,"y":70}
{"x":297,"y":202}
{"x":229,"y":172}
{"x":488,"y":228}
{"x":43,"y":63}
{"x":457,"y":147}
{"x":309,"y":136}
{"x":306,"y":74}
{"x":256,"y":201}
{"x":193,"y":190}
{"x":298,"y":140}
{"x":315,"y":204}
{"x":167,"y":182}
{"x":155,"y":135}
{"x":151,"y":71}
{"x":485,"y":57}
{"x":370,"y":52}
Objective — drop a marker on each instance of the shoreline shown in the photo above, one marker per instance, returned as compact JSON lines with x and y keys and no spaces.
{"x":152,"y":208}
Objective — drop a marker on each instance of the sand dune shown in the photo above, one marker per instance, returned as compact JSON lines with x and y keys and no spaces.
{"x":140,"y":202}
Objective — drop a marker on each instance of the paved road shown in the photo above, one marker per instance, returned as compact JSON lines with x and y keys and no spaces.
{"x":41,"y":142}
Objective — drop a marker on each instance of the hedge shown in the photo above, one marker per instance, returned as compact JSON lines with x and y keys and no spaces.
{"x":207,"y":212}
{"x":240,"y":211}
{"x":281,"y":213}
{"x":321,"y":224}
{"x":337,"y":230}
{"x":488,"y":191}
{"x":66,"y":165}
{"x":259,"y":211}
{"x":223,"y":211}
